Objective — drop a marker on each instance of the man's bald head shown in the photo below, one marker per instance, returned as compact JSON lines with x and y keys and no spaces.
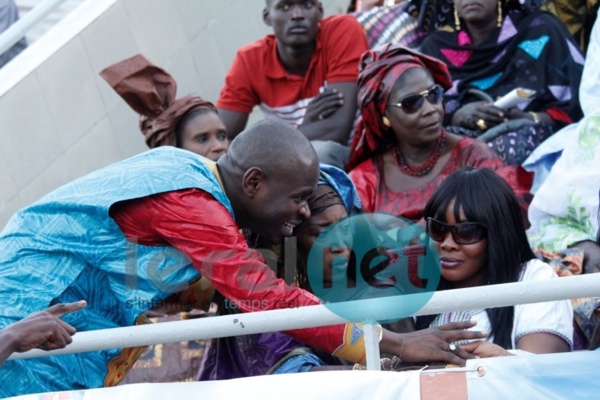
{"x":272,"y":146}
{"x":268,"y":173}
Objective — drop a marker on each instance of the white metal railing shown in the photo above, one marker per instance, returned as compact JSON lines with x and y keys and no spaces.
{"x":387,"y":308}
{"x":19,"y":29}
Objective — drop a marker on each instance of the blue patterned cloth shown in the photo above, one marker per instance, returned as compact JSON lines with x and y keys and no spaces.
{"x":299,"y":363}
{"x":65,"y":247}
{"x":341,"y":183}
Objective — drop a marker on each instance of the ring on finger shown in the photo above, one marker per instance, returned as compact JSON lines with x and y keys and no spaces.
{"x":321,"y":116}
{"x":481,"y":124}
{"x":452,"y":347}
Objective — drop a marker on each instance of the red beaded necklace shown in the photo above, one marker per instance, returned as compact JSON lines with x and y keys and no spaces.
{"x":426,"y":166}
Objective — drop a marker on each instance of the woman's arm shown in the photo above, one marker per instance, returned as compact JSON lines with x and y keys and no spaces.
{"x":545,"y":327}
{"x":543,"y":342}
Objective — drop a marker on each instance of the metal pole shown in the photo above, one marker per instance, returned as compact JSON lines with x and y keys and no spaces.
{"x":386,"y":308}
{"x":20,"y":28}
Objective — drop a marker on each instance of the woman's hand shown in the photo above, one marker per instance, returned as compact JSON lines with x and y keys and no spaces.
{"x":479,"y":115}
{"x":517,"y":113}
{"x":431,"y":344}
{"x":591,"y":256}
{"x":485,"y":349}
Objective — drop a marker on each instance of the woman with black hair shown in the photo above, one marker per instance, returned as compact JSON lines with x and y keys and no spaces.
{"x":474,"y":219}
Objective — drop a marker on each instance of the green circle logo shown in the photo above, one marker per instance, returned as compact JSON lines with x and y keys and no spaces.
{"x":377,"y":257}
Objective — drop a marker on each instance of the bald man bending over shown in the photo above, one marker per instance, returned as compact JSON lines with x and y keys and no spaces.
{"x":129,"y":235}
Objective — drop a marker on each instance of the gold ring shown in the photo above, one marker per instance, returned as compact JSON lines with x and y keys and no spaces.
{"x":481,"y":124}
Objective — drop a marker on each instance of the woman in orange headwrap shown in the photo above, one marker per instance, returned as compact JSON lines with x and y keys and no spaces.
{"x":400,"y":152}
{"x":190,"y":123}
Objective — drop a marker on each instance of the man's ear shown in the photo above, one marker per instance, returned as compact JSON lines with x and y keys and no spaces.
{"x":320,"y":5}
{"x":266,"y":17}
{"x":252,"y":181}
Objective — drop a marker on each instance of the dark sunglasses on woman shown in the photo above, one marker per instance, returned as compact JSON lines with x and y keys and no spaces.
{"x":463,"y":233}
{"x":414,"y":102}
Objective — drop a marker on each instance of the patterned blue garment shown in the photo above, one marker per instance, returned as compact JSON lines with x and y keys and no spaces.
{"x":299,"y":363}
{"x":341,"y":183}
{"x":65,"y":247}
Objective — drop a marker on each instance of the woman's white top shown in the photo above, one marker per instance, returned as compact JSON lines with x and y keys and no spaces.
{"x":555,"y":317}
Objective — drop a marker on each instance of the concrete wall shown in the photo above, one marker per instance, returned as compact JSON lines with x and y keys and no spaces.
{"x":59,"y":120}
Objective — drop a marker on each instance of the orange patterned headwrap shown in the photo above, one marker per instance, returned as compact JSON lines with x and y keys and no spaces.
{"x":150,"y":91}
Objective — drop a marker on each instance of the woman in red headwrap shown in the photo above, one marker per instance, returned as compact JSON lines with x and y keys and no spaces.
{"x":190,"y":123}
{"x":400,"y":151}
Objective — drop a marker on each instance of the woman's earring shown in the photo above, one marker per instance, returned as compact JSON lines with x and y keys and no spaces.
{"x":386,"y":121}
{"x":499,"y":24}
{"x":457,"y":19}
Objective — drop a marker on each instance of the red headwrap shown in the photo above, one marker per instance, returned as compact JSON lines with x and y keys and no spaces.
{"x":379,"y":69}
{"x":150,"y":91}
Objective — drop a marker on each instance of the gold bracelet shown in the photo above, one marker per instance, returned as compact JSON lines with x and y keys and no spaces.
{"x":535,"y":116}
{"x":359,"y":367}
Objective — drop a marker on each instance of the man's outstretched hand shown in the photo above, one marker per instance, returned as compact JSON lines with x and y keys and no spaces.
{"x":43,"y":330}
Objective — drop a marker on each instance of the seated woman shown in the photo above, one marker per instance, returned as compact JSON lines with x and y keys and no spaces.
{"x":564,"y":220}
{"x":473,"y":218}
{"x":564,"y":211}
{"x":190,"y":123}
{"x":495,"y":47}
{"x":334,"y":199}
{"x":400,"y":150}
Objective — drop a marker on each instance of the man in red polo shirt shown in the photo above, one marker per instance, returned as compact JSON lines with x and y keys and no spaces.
{"x":304,"y":74}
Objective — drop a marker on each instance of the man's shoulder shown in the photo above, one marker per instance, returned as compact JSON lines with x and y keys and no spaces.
{"x":344,"y":33}
{"x":258,"y":47}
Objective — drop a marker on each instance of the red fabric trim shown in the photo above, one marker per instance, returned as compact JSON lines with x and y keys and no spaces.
{"x":559,"y":115}
{"x":193,"y":222}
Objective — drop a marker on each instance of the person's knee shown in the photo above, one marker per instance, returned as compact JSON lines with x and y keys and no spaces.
{"x":331,"y":153}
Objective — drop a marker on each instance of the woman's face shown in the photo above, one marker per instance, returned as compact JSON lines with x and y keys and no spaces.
{"x":477,"y":11}
{"x":415,"y":127}
{"x":205,"y":134}
{"x":338,"y":245}
{"x":463,"y":265}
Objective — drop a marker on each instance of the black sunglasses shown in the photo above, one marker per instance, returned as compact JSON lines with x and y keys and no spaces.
{"x":414,"y":102}
{"x":463,"y":233}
